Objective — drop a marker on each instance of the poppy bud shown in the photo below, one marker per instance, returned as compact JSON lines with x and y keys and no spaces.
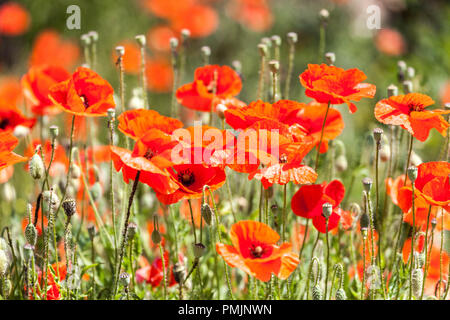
{"x":21,"y":131}
{"x":206,"y":213}
{"x":4,"y":263}
{"x":75,"y":173}
{"x":274,"y":66}
{"x":415,"y":159}
{"x":70,"y":207}
{"x":364,"y":221}
{"x":120,"y":51}
{"x":132,"y":230}
{"x":36,"y":166}
{"x":262,"y":49}
{"x":28,"y":250}
{"x":178,"y":272}
{"x":50,"y":201}
{"x":292,"y":38}
{"x":330,"y":57}
{"x":156,"y":236}
{"x":85,"y":40}
{"x":91,"y":231}
{"x":276,"y":40}
{"x":377,"y":133}
{"x":220,"y":110}
{"x":340,"y":294}
{"x":31,"y":234}
{"x":96,"y":191}
{"x":317,"y":293}
{"x":5,"y":248}
{"x":185,"y":34}
{"x":355,"y":209}
{"x":341,"y":163}
{"x":367,"y":184}
{"x":173,"y":43}
{"x":417,"y":280}
{"x":385,"y":153}
{"x":199,"y":250}
{"x":140,"y":39}
{"x":412,"y":173}
{"x":420,"y":259}
{"x":392,"y":90}
{"x":54,"y":131}
{"x":124,"y":279}
{"x":327,"y":209}
{"x":410,"y":72}
{"x":407,"y":86}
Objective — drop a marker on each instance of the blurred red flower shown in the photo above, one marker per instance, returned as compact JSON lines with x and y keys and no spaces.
{"x":14,"y":19}
{"x":159,"y":73}
{"x":7,"y":144}
{"x":390,"y":42}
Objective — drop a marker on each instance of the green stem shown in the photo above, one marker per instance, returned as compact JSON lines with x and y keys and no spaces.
{"x":321,"y":137}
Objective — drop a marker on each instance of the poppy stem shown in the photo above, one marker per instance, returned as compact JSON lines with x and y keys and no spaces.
{"x":284,"y":213}
{"x":290,"y":69}
{"x":328,"y":259}
{"x":262,"y":71}
{"x":192,"y":220}
{"x":363,"y":282}
{"x":176,"y":82}
{"x":111,"y":185}
{"x":125,"y":231}
{"x":413,"y":237}
{"x":321,"y":137}
{"x":441,"y":257}
{"x":143,"y":78}
{"x":310,"y":274}
{"x":426,"y":253}
{"x":411,"y":140}
{"x":161,"y":252}
{"x":304,"y":239}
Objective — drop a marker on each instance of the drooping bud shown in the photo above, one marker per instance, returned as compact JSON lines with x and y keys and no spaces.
{"x":341,"y":163}
{"x":385,"y":153}
{"x":367,"y":184}
{"x":120,"y":51}
{"x":199,"y":250}
{"x":292,"y":38}
{"x":355,"y":209}
{"x":75,"y":172}
{"x":340,"y":294}
{"x":392,"y":90}
{"x":70,"y":207}
{"x":31,"y":234}
{"x":206,"y":213}
{"x":364,"y":221}
{"x":412,"y":173}
{"x":417,"y":281}
{"x":327,"y":209}
{"x":37,"y":168}
{"x":377,"y":134}
{"x":330,"y":58}
{"x":317,"y":293}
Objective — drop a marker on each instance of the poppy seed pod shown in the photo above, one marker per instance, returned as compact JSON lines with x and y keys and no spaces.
{"x":267,"y":42}
{"x":367,"y":184}
{"x":132,"y":230}
{"x":327,"y":209}
{"x":93,"y":35}
{"x":178,"y":272}
{"x":317,"y":293}
{"x":220,"y":109}
{"x":407,"y":86}
{"x":292,"y":37}
{"x":341,"y":163}
{"x":173,"y":43}
{"x":206,"y":52}
{"x":120,"y":51}
{"x":324,"y":14}
{"x":124,"y":279}
{"x":111,"y":114}
{"x":392,"y":90}
{"x":31,"y":234}
{"x":262,"y":49}
{"x":36,"y":166}
{"x":276,"y":40}
{"x":21,"y":131}
{"x":330,"y":57}
{"x":185,"y":34}
{"x":364,"y":221}
{"x":199,"y":250}
{"x":340,"y":294}
{"x":54,"y":131}
{"x":70,"y":207}
{"x":156,"y":236}
{"x":206,"y":213}
{"x":377,"y":134}
{"x":274,"y":66}
{"x":140,"y":39}
{"x":410,"y":72}
{"x":85,"y":40}
{"x":412,"y":173}
{"x":385,"y":153}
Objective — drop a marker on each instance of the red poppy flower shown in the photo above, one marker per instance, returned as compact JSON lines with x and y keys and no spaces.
{"x":10,"y":90}
{"x":154,"y":274}
{"x":7,"y":144}
{"x":14,"y":19}
{"x":254,"y":14}
{"x":408,"y":111}
{"x":330,"y":84}
{"x":390,"y":42}
{"x":307,"y":202}
{"x":135,"y":123}
{"x":11,"y":117}
{"x":36,"y":87}
{"x":393,"y":187}
{"x":255,"y":252}
{"x":200,"y":20}
{"x":151,"y":154}
{"x":85,"y":93}
{"x":50,"y":49}
{"x":131,"y":59}
{"x":159,"y":73}
{"x":199,"y":95}
{"x":167,"y":8}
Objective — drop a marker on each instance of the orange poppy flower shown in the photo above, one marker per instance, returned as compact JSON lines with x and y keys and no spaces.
{"x":307,"y":202}
{"x":131,"y":59}
{"x":50,"y":49}
{"x":167,"y":8}
{"x":151,"y":154}
{"x":135,"y":123}
{"x":200,"y":20}
{"x":419,"y":243}
{"x":408,"y":111}
{"x":368,"y":245}
{"x":199,"y":94}
{"x":7,"y":144}
{"x":253,"y":14}
{"x":390,"y":42}
{"x":14,"y":19}
{"x":159,"y":73}
{"x":60,"y":160}
{"x":11,"y":117}
{"x":10,"y":90}
{"x":393,"y":187}
{"x":158,"y":38}
{"x":255,"y":252}
{"x":330,"y":84}
{"x":445,"y":93}
{"x":36,"y":87}
{"x":85,"y":93}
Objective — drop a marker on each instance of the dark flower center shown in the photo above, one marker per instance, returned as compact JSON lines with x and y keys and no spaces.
{"x":149,"y":154}
{"x":85,"y":101}
{"x":256,"y":251}
{"x":4,"y":123}
{"x":186,"y":177}
{"x":283,"y":158}
{"x":415,"y":107}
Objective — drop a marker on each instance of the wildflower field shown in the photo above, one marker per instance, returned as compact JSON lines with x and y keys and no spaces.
{"x":224,"y":149}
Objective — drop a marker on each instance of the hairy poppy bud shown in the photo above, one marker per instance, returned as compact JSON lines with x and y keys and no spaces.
{"x":377,"y":133}
{"x":364,"y":221}
{"x":36,"y":166}
{"x":420,"y":259}
{"x":262,"y":49}
{"x":367,"y":184}
{"x":274,"y":66}
{"x":31,"y":234}
{"x":292,"y":38}
{"x":330,"y":57}
{"x":317,"y":293}
{"x":392,"y":90}
{"x":199,"y":250}
{"x":412,"y":173}
{"x":9,"y":192}
{"x":140,"y":39}
{"x":220,"y":110}
{"x":75,"y":172}
{"x":120,"y":51}
{"x":4,"y":263}
{"x":417,"y":280}
{"x":50,"y":201}
{"x":124,"y":279}
{"x":156,"y":236}
{"x":407,"y":86}
{"x":385,"y":153}
{"x":341,"y":163}
{"x":96,"y":191}
{"x":7,"y":288}
{"x":132,"y":230}
{"x":340,"y":294}
{"x":179,"y":272}
{"x":206,"y":213}
{"x":70,"y":207}
{"x":28,"y":250}
{"x":327,"y":209}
